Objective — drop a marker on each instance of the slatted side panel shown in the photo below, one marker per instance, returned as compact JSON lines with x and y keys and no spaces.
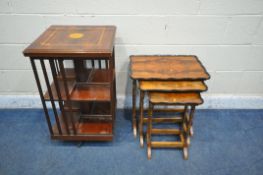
{"x":97,"y":64}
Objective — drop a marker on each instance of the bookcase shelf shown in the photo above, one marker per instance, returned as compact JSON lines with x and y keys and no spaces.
{"x":95,"y":88}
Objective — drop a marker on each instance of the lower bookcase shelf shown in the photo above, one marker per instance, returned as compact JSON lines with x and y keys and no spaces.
{"x":91,"y":130}
{"x":92,"y":121}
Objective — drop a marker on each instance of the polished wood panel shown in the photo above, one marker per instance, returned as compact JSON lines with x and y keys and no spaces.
{"x":82,"y":90}
{"x":93,"y":75}
{"x":73,"y":41}
{"x":197,"y":86}
{"x":175,"y":98}
{"x":91,"y":131}
{"x":167,"y":68}
{"x":90,"y":93}
{"x":91,"y":107}
{"x":71,"y":84}
{"x":95,"y":128}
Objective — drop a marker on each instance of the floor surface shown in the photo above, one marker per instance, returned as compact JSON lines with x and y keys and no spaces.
{"x":225,"y":142}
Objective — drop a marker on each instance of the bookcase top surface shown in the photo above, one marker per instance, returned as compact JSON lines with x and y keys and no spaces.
{"x":73,"y":41}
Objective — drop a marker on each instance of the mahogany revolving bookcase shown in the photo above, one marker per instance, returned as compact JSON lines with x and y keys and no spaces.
{"x":74,"y":69}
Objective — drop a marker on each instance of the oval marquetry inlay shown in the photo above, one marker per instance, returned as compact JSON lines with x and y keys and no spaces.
{"x":76,"y":35}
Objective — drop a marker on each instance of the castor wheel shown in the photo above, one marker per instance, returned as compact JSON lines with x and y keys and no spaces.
{"x":141,"y":141}
{"x":191,"y":131}
{"x":185,"y":153}
{"x":149,"y":153}
{"x":188,"y":141}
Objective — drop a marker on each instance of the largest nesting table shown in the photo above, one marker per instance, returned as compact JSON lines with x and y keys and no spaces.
{"x":164,"y":73}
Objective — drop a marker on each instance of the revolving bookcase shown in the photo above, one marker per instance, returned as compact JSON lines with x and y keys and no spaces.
{"x":74,"y":69}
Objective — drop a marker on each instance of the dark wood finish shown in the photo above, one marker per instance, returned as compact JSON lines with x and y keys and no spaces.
{"x":134,"y":120}
{"x":42,"y":96}
{"x":87,"y":131}
{"x":70,"y":74}
{"x":81,"y":70}
{"x":68,"y":100}
{"x":95,"y":128}
{"x":80,"y":137}
{"x":54,"y":70}
{"x":141,"y":117}
{"x":51,"y":96}
{"x":91,"y":93}
{"x":93,"y":75}
{"x":71,"y":85}
{"x":167,"y":68}
{"x":86,"y":93}
{"x":92,"y":107}
{"x":149,"y":129}
{"x":74,"y":41}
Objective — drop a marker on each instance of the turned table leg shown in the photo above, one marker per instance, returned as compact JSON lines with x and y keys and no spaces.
{"x":141,"y":117}
{"x":149,"y":131}
{"x":134,"y":122}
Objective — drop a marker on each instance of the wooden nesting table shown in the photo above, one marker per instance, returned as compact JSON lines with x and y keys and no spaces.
{"x":184,"y":76}
{"x":78,"y":73}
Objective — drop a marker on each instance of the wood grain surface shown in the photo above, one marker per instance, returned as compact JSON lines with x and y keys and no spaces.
{"x":73,"y":41}
{"x":91,"y":93}
{"x":176,"y":98}
{"x":167,"y":68}
{"x":197,"y":86}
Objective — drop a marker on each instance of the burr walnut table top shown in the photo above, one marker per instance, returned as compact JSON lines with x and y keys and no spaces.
{"x":73,"y":41}
{"x":167,"y":68}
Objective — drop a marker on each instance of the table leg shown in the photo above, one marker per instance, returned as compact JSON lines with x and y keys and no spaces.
{"x":141,"y":118}
{"x":191,"y":130}
{"x":134,"y":122}
{"x":149,"y":131}
{"x":186,"y":131}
